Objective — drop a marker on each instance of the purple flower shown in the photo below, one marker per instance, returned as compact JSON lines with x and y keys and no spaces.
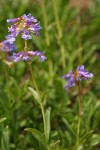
{"x":26,"y":35}
{"x":35,"y":28}
{"x":78,"y":75}
{"x":24,"y":25}
{"x":13,"y":20}
{"x":10,"y":38}
{"x":39,"y":54}
{"x":26,"y":55}
{"x":29,"y":18}
{"x":6,"y":46}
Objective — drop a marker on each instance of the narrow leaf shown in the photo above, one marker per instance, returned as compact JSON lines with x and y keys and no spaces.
{"x":48,"y":122}
{"x":35,"y":94}
{"x":85,"y":136}
{"x":5,"y":139}
{"x":3,"y":119}
{"x":70,"y":130}
{"x":38,"y":135}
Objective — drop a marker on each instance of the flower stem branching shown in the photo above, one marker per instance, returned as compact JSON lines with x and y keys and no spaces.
{"x":39,"y":96}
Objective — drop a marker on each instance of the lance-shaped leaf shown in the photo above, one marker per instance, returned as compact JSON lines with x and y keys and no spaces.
{"x":3,"y":119}
{"x":48,"y":123}
{"x":35,"y":94}
{"x":5,"y":139}
{"x":38,"y":135}
{"x":70,"y":130}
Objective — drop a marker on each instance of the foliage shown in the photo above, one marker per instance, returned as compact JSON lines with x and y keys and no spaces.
{"x":70,"y":37}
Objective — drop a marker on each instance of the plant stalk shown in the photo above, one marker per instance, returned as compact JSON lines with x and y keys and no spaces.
{"x":80,"y":114}
{"x":40,"y":102}
{"x":60,"y":33}
{"x":47,"y":38}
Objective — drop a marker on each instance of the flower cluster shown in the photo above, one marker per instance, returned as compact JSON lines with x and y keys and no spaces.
{"x":6,"y":46}
{"x":26,"y":55}
{"x":23,"y":25}
{"x":78,"y":75}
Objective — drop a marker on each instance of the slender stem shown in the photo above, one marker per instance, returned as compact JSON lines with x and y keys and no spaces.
{"x":33,"y":80}
{"x":79,"y":38}
{"x":57,"y":18}
{"x":60,"y":32}
{"x":47,"y":39}
{"x":26,"y":47}
{"x":30,"y":68}
{"x":80,"y":113}
{"x":41,"y":104}
{"x":37,"y":90}
{"x":80,"y":99}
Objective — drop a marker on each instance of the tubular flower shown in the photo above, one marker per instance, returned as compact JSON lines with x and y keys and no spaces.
{"x":24,"y":25}
{"x":6,"y":46}
{"x":78,"y":75}
{"x":26,"y":55}
{"x":10,"y":38}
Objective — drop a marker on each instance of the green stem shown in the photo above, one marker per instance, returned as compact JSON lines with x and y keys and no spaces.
{"x":57,"y":18}
{"x":37,"y":90}
{"x":33,"y":80}
{"x":26,"y":47}
{"x":60,"y":33}
{"x":41,"y":104}
{"x":80,"y":114}
{"x":79,"y":38}
{"x":47,"y":39}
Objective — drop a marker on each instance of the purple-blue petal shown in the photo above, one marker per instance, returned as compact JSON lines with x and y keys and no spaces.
{"x":26,"y":55}
{"x":22,"y":25}
{"x":40,"y":54}
{"x":6,"y":46}
{"x":68,"y":75}
{"x":78,"y":75}
{"x":10,"y":38}
{"x":26,"y":35}
{"x":80,"y":68}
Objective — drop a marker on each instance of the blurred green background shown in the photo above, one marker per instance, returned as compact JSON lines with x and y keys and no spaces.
{"x":70,"y":37}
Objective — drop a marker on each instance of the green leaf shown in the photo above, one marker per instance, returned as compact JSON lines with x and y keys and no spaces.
{"x":95,"y":139}
{"x":47,"y":92}
{"x":35,"y":94}
{"x":54,"y":145}
{"x":48,"y":122}
{"x":38,"y":135}
{"x":69,"y":138}
{"x":85,"y":136}
{"x":5,"y":139}
{"x":70,"y":130}
{"x":3,"y":119}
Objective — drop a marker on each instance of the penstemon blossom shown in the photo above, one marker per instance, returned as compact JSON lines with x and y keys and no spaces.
{"x":6,"y":46}
{"x":78,"y":75}
{"x":24,"y":26}
{"x":26,"y":55}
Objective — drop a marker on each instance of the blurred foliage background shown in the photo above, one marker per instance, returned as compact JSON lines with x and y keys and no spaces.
{"x":70,"y":37}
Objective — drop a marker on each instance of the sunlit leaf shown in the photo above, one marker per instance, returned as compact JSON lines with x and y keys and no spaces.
{"x":5,"y":139}
{"x":48,"y":122}
{"x":35,"y":94}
